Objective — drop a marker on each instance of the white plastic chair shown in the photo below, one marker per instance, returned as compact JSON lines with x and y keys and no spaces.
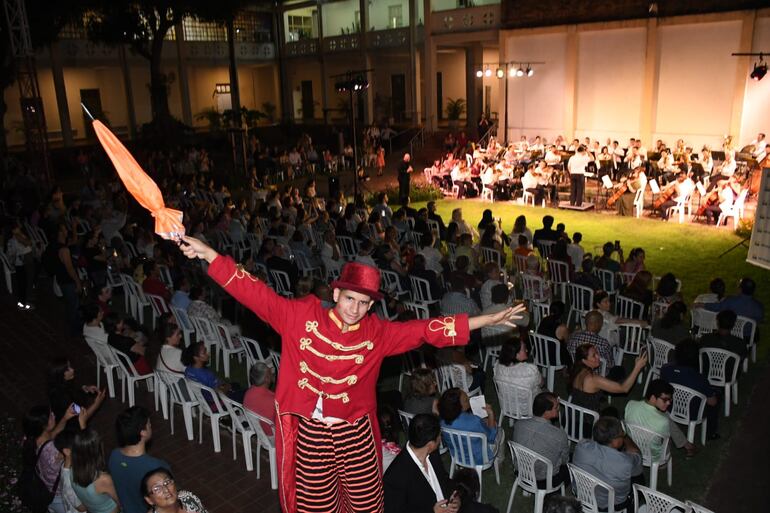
{"x":544,"y":248}
{"x":184,"y":323}
{"x":159,"y":307}
{"x":265,"y":442}
{"x":656,"y":502}
{"x":703,"y":321}
{"x":680,"y":411}
{"x":239,"y":424}
{"x":175,"y":392}
{"x":305,"y":267}
{"x":421,"y":291}
{"x":520,"y":263}
{"x":204,"y":332}
{"x":492,"y":255}
{"x":646,"y":440}
{"x":210,"y":406}
{"x":392,"y":283}
{"x":347,"y":247}
{"x":515,"y":401}
{"x":658,"y":352}
{"x":542,"y":355}
{"x":539,"y":310}
{"x":581,"y":300}
{"x":631,"y":338}
{"x":683,"y":208}
{"x":558,"y":275}
{"x":524,"y":460}
{"x":718,"y":360}
{"x":105,"y":360}
{"x":281,"y":282}
{"x":534,"y":288}
{"x":735,"y":211}
{"x":8,"y":270}
{"x":608,"y":279}
{"x":130,"y":377}
{"x":584,"y":486}
{"x":528,"y":198}
{"x":227,"y":346}
{"x":739,"y":330}
{"x":575,"y":419}
{"x":420,"y":310}
{"x":460,"y":445}
{"x":408,"y":365}
{"x":453,"y":375}
{"x":406,"y":419}
{"x":639,"y":202}
{"x":627,"y":308}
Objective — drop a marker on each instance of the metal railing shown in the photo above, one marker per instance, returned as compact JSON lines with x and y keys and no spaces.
{"x":484,"y":139}
{"x":417,"y":141}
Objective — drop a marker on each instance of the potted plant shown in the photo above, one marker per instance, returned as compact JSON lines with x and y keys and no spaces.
{"x":454,"y":109}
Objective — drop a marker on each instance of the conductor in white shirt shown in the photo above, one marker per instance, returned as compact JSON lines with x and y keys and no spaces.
{"x":577,"y":172}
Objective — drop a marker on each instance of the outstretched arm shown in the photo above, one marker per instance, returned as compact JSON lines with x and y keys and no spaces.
{"x":505,"y":318}
{"x":193,"y":248}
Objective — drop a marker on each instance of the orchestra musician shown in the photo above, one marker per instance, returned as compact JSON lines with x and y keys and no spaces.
{"x":679,"y":189}
{"x":728,"y":190}
{"x":726,"y":170}
{"x":577,"y":172}
{"x":552,"y":156}
{"x":635,"y":181}
{"x":633,"y":158}
{"x":760,"y":148}
{"x":706,"y":161}
{"x":666,"y":165}
{"x":530,"y":183}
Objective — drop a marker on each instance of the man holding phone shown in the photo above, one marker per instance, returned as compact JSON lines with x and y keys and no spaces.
{"x":416,"y":480}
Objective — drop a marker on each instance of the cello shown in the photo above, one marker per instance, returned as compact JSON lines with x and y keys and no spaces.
{"x":664,"y":196}
{"x":617,"y":194}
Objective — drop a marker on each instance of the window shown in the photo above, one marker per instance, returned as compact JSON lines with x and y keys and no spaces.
{"x":395,"y":19}
{"x":196,"y":30}
{"x":300,"y":27}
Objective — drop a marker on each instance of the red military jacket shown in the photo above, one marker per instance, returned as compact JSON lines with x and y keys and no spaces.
{"x":318,"y":358}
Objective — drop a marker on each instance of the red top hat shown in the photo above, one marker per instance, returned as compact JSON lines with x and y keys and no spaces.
{"x":360,"y":278}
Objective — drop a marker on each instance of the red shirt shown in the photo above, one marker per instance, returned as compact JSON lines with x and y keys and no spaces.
{"x":261,"y":401}
{"x":156,"y":287}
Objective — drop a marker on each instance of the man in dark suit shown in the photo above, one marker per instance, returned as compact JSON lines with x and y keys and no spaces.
{"x":416,"y":481}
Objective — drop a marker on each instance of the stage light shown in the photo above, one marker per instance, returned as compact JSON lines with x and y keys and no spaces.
{"x":512,"y":72}
{"x":520,"y":72}
{"x":530,"y":71}
{"x":479,"y":74}
{"x":487,"y":72}
{"x":759,"y":72}
{"x":500,"y":73}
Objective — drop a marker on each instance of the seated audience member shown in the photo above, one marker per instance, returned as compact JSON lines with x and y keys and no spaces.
{"x":423,"y":395}
{"x":456,"y":300}
{"x":93,"y":486}
{"x":639,"y":289}
{"x":467,"y":487}
{"x":715,"y":294}
{"x":199,"y":308}
{"x":169,"y":356}
{"x":651,"y":413}
{"x":545,"y":233}
{"x":513,"y":366}
{"x":129,"y":462}
{"x":181,"y":297}
{"x":723,"y":338}
{"x":588,"y":388}
{"x":195,"y":359}
{"x":160,"y":492}
{"x":63,"y":391}
{"x":519,"y":229}
{"x":541,"y":435}
{"x":461,"y":269}
{"x":672,"y":327}
{"x":685,"y":372}
{"x":575,"y":250}
{"x":152,"y":283}
{"x":258,"y":397}
{"x":465,"y":248}
{"x":117,"y":337}
{"x":743,"y":303}
{"x":416,"y":479}
{"x":553,"y":325}
{"x":419,"y":270}
{"x":63,"y":443}
{"x":635,"y":262}
{"x":667,"y":289}
{"x":454,"y":409}
{"x":562,"y":504}
{"x":586,"y":277}
{"x":609,"y":329}
{"x":612,"y":457}
{"x":493,"y":277}
{"x":522,"y":246}
{"x":605,"y":261}
{"x":590,"y":335}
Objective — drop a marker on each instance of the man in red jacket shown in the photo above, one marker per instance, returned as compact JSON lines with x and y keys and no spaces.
{"x":327,"y":437}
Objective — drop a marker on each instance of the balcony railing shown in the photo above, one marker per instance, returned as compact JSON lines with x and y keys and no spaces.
{"x":302,"y":47}
{"x":485,"y":17}
{"x":391,"y":38}
{"x":344,"y":43}
{"x":219,"y":50}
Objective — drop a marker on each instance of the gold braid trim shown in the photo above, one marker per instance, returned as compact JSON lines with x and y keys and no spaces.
{"x":446,"y":324}
{"x":350,"y":380}
{"x":312,"y":327}
{"x":240,"y":273}
{"x":303,"y":384}
{"x":306,"y":343}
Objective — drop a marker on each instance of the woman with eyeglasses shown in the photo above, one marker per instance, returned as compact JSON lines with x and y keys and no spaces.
{"x":161,"y":494}
{"x":91,"y":483}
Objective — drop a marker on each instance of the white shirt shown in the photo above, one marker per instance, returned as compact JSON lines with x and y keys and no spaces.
{"x":429,"y":474}
{"x":728,"y":168}
{"x":433,"y":259}
{"x":170,"y":359}
{"x":576,"y":253}
{"x":552,"y":158}
{"x":577,"y":163}
{"x":529,"y":181}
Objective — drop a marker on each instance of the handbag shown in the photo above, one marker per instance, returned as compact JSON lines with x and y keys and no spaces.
{"x":32,"y":491}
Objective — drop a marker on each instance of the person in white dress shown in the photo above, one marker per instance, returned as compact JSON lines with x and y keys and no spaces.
{"x":514,"y":368}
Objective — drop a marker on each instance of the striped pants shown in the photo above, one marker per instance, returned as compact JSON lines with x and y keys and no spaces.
{"x":337,"y":469}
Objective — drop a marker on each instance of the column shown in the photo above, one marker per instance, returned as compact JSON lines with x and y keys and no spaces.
{"x":285,"y":87}
{"x":502,"y":96}
{"x":742,"y":71}
{"x":61,"y":95}
{"x":474,"y":89}
{"x":322,"y":57}
{"x":181,"y":68}
{"x":413,"y":78}
{"x":650,"y":87}
{"x":126,"y":71}
{"x":429,"y":73}
{"x":570,"y":82}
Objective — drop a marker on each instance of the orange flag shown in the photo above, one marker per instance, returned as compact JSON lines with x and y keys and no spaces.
{"x":168,"y":222}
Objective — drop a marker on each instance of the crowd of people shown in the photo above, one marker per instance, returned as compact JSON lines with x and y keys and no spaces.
{"x":91,"y":241}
